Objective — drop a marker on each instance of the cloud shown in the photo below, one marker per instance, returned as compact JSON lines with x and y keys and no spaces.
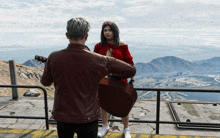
{"x":198,"y":1}
{"x":166,"y":22}
{"x":175,"y":37}
{"x":209,"y":38}
{"x":49,"y":15}
{"x":142,"y":2}
{"x":49,"y":35}
{"x":138,"y":10}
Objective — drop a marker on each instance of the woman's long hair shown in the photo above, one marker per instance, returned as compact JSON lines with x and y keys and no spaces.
{"x":115,"y":31}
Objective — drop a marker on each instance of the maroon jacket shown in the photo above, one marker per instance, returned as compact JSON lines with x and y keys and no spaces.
{"x":76,"y":73}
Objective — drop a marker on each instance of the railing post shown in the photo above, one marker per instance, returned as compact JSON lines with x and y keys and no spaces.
{"x":13,"y":76}
{"x":158,"y":112}
{"x":46,"y":108}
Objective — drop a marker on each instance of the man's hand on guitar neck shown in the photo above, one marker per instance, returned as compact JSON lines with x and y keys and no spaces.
{"x":41,"y":59}
{"x":131,"y":82}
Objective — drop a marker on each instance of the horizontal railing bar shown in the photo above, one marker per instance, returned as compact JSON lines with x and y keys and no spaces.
{"x":163,"y":122}
{"x":174,"y":89}
{"x":139,"y":89}
{"x":145,"y":121}
{"x":22,"y":86}
{"x":24,"y":117}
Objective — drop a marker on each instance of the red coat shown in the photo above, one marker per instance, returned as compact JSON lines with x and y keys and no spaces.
{"x":121,"y":53}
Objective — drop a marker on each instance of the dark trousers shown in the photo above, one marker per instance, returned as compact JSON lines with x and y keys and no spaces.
{"x":83,"y":130}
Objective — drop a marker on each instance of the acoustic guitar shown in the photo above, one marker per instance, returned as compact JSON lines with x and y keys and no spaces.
{"x":115,"y":96}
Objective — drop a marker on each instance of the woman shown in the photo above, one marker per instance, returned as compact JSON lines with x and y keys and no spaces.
{"x":111,"y":46}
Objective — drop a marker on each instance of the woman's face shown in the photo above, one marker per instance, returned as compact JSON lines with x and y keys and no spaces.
{"x":108,"y":33}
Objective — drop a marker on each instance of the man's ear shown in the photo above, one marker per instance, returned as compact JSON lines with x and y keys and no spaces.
{"x":86,"y":36}
{"x":67,"y":35}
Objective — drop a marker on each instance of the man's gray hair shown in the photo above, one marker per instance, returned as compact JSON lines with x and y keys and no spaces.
{"x":77,"y":28}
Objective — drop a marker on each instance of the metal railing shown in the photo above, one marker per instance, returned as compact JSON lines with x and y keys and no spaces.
{"x":30,"y":117}
{"x":158,"y":122}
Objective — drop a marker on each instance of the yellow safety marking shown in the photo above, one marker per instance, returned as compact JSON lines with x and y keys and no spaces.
{"x":133,"y":135}
{"x":49,"y":136}
{"x":183,"y":137}
{"x":108,"y":134}
{"x":28,"y":131}
{"x":54,"y":133}
{"x":156,"y":136}
{"x":46,"y":133}
{"x":50,"y":133}
{"x":116,"y":134}
{"x":166,"y":136}
{"x":3,"y":131}
{"x":38,"y":133}
{"x":144,"y":136}
{"x":15,"y":131}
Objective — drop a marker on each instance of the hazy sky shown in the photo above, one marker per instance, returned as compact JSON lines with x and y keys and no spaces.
{"x":176,"y":23}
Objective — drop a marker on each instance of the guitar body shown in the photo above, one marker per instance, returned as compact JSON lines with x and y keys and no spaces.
{"x":116,"y":97}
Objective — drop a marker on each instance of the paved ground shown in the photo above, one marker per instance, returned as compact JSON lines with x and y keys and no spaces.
{"x":142,"y":110}
{"x":24,"y":107}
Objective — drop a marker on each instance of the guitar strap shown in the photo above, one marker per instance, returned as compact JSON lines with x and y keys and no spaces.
{"x":109,"y":54}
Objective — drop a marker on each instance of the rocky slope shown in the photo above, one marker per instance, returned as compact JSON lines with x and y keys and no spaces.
{"x":26,"y":75}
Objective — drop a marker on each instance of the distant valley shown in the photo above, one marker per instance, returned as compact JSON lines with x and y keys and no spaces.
{"x":173,"y":72}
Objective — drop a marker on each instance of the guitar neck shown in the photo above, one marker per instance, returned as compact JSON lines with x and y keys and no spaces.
{"x":41,"y":59}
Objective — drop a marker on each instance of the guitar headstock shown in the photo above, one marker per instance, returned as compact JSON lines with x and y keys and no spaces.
{"x":41,"y":59}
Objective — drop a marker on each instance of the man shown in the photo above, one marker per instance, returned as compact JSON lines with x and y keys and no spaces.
{"x":76,"y":73}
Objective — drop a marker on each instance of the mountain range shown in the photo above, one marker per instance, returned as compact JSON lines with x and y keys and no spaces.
{"x":212,"y":61}
{"x":170,"y":64}
{"x":165,"y":64}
